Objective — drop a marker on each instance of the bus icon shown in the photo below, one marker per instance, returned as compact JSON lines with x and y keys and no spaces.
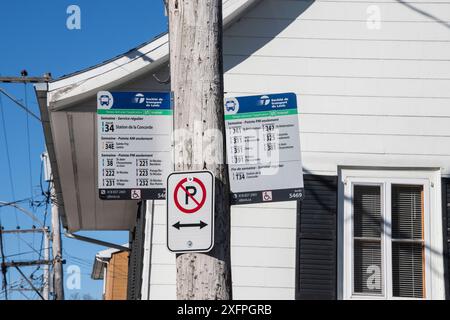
{"x":104,"y":100}
{"x":230,"y":106}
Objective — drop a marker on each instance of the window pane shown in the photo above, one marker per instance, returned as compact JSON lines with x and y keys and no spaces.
{"x":367,"y":271}
{"x":407,"y":206}
{"x":408,"y":272}
{"x":367,"y":211}
{"x":367,"y":267}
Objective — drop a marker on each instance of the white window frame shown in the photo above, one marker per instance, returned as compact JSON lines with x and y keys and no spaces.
{"x":433,"y":234}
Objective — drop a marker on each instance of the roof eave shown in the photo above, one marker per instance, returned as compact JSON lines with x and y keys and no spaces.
{"x":41,"y":90}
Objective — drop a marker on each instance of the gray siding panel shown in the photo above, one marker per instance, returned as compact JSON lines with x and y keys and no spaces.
{"x":316,"y":239}
{"x":446,"y":230}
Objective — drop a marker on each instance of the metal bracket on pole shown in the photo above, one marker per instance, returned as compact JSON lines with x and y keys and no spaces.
{"x":96,"y":241}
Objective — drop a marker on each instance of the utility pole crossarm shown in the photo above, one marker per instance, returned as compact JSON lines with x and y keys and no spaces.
{"x":25,"y":79}
{"x":24,"y":231}
{"x":27,"y":263}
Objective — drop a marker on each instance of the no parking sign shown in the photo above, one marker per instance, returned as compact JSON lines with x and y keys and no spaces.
{"x":190,"y":211}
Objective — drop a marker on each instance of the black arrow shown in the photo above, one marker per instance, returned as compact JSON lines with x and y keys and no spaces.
{"x":179,"y":225}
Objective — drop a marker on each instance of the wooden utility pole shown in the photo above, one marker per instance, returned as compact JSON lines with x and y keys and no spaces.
{"x":58,"y":279}
{"x":46,"y":290}
{"x":196,"y":69}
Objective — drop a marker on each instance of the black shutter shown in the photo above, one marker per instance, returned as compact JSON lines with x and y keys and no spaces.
{"x":135,"y":263}
{"x":316,"y":265}
{"x":446,"y":227}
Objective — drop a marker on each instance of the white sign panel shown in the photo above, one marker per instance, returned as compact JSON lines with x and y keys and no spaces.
{"x":263,"y":148}
{"x":190,"y":211}
{"x":134,"y":144}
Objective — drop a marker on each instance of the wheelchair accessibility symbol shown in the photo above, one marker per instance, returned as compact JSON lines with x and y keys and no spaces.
{"x":267,"y":196}
{"x":135,"y":194}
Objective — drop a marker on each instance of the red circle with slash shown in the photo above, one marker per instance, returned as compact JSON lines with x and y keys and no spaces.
{"x":198,"y":203}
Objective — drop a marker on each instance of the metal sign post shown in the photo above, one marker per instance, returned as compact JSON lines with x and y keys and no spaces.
{"x":190,"y":211}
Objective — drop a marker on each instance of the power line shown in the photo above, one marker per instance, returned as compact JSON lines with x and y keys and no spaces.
{"x":7,"y":149}
{"x":17,"y":102}
{"x":29,"y":282}
{"x":25,"y":253}
{"x":5,"y":204}
{"x":26,"y":212}
{"x":8,"y":158}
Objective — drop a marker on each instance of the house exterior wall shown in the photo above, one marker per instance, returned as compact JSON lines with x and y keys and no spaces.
{"x":367,"y":97}
{"x":117,"y":277}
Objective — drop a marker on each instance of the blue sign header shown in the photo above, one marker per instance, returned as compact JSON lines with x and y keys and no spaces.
{"x":134,"y":100}
{"x":260,"y":103}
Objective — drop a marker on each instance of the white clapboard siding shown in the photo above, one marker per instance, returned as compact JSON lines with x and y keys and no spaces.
{"x":262,"y":293}
{"x":271,"y":277}
{"x":263,"y":251}
{"x":374,"y":144}
{"x":263,"y":237}
{"x":319,"y":162}
{"x":337,"y":29}
{"x":162,"y":271}
{"x":340,"y":68}
{"x":263,"y":257}
{"x":343,"y":47}
{"x":337,"y":86}
{"x":352,"y":10}
{"x":162,"y":292}
{"x":373,"y":125}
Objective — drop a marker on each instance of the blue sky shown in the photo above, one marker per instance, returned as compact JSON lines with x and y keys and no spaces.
{"x":34,"y":37}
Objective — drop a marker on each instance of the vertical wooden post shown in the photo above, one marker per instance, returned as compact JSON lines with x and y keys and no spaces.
{"x":46,"y":289}
{"x":196,"y":66}
{"x":58,"y":277}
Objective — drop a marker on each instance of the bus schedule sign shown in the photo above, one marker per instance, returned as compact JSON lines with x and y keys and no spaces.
{"x":263,"y":148}
{"x":134,"y":140}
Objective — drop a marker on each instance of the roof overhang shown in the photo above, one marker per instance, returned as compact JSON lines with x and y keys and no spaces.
{"x":68,"y":112}
{"x":100,"y":262}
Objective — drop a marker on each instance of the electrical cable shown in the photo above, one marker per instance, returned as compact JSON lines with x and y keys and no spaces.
{"x":24,"y":253}
{"x":13,"y":99}
{"x":14,"y":202}
{"x":8,"y":157}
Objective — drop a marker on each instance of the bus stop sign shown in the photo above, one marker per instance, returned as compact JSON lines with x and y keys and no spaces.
{"x":190,"y":211}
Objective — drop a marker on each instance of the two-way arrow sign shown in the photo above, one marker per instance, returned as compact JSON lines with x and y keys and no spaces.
{"x":179,"y":225}
{"x":190,"y":211}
